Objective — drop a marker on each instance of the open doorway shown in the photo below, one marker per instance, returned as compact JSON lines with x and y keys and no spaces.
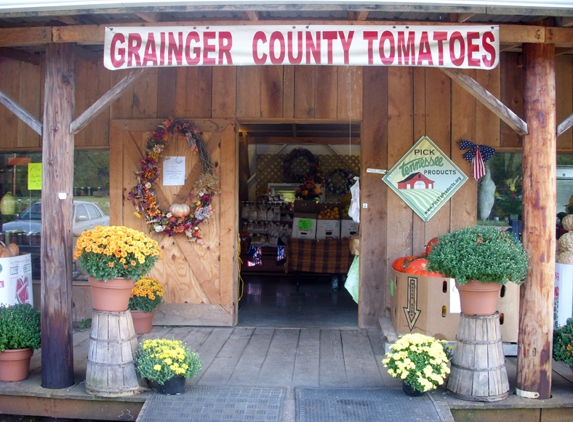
{"x":293,"y":271}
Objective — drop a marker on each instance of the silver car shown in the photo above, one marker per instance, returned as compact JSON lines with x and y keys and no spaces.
{"x":87,"y":215}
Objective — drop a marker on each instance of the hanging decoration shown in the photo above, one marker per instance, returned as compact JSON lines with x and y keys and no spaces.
{"x":339,"y":182}
{"x":300,"y":165}
{"x":144,"y":197}
{"x":477,"y":155}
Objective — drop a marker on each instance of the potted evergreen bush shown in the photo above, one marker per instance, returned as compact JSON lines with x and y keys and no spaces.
{"x":563,"y":343}
{"x":482,"y":258}
{"x":20,"y":335}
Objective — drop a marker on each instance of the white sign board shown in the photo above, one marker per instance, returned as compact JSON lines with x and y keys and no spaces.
{"x":458,"y":46}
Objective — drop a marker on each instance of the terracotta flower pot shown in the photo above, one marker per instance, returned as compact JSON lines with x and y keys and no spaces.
{"x":142,"y":321}
{"x":15,"y":364}
{"x":477,"y":298}
{"x":112,"y":295}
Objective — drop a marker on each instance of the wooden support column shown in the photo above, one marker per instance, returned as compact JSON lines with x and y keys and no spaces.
{"x":374,"y":199}
{"x":57,"y":209}
{"x":539,"y":210}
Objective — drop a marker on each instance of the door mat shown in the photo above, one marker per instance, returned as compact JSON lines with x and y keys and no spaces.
{"x":362,"y":405}
{"x":214,"y":404}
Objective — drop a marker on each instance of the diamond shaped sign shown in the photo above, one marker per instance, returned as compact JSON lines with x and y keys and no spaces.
{"x":425,"y":178}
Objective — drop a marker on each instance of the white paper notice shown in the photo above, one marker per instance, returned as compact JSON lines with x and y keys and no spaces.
{"x":174,"y":171}
{"x":455,"y":306}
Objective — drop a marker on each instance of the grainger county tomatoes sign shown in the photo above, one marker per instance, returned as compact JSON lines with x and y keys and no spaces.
{"x":425,"y":178}
{"x":470,"y":47}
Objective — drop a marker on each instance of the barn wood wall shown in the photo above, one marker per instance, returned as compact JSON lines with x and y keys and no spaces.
{"x":397,"y":107}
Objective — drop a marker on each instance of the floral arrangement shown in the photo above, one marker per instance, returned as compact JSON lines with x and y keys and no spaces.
{"x":300,"y":165}
{"x":107,"y":252}
{"x":146,"y":295}
{"x":308,"y":190}
{"x":144,"y":197}
{"x":419,"y":360}
{"x":160,"y":360}
{"x":485,"y":254}
{"x":563,"y":343}
{"x":339,"y":182}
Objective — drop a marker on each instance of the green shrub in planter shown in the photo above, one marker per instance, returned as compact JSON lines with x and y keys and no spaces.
{"x":563,"y":343}
{"x":20,"y":327}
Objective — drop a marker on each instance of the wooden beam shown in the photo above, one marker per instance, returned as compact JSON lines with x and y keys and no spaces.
{"x":22,"y":37}
{"x":22,"y":56}
{"x":487,"y":99}
{"x":564,"y":125}
{"x":362,"y":16}
{"x":149,"y":17}
{"x":58,"y":212}
{"x":251,"y":15}
{"x":561,"y":37}
{"x":22,"y":113}
{"x":539,"y":208}
{"x":94,"y":34}
{"x":106,"y":99}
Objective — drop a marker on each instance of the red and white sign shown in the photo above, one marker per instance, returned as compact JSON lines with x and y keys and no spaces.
{"x":463,"y":47}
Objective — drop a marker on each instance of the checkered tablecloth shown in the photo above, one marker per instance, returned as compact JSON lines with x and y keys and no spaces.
{"x":329,"y":256}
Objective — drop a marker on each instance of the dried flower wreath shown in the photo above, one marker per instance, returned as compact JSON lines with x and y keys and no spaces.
{"x":144,"y":197}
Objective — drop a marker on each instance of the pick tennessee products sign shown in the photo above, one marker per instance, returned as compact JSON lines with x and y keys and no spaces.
{"x":463,"y":47}
{"x":425,"y":178}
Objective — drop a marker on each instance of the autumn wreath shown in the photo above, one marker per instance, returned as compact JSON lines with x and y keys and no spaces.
{"x":300,"y":165}
{"x":179,"y":218}
{"x":339,"y":182}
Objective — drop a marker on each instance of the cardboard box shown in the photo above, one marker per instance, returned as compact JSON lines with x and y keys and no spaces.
{"x":563,"y":293}
{"x":304,"y":221}
{"x":16,"y":280}
{"x":348,"y":227}
{"x":431,"y":306}
{"x":327,"y":228}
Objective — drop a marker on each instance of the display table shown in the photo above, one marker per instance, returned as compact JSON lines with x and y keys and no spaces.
{"x":329,"y":256}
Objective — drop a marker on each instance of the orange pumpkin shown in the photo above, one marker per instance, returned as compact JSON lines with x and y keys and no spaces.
{"x":179,"y":210}
{"x":420,"y":267}
{"x":401,"y":263}
{"x":14,"y":249}
{"x":431,"y":243}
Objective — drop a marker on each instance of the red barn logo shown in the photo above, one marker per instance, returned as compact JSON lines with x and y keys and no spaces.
{"x":416,"y":181}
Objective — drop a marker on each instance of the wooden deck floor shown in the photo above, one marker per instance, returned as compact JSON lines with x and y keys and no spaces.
{"x":264,"y":357}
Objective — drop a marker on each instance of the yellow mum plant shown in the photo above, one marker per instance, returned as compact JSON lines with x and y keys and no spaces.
{"x":160,"y":360}
{"x":106,"y":252}
{"x":419,"y":360}
{"x":146,"y":295}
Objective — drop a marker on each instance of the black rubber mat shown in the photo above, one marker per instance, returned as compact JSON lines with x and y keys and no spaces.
{"x":362,"y":405}
{"x":215,"y":404}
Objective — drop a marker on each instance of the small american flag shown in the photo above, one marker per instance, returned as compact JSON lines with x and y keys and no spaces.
{"x":477,"y":155}
{"x":478,"y":166}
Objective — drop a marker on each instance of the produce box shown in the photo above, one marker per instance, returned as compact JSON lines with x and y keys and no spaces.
{"x":16,"y":280}
{"x":328,"y":221}
{"x":304,"y":221}
{"x":563,"y":293}
{"x":348,"y":227}
{"x":431,"y":306}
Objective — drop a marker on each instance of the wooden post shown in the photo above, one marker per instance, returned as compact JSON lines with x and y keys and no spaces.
{"x":373,"y":154}
{"x":539,"y":211}
{"x":57,"y":210}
